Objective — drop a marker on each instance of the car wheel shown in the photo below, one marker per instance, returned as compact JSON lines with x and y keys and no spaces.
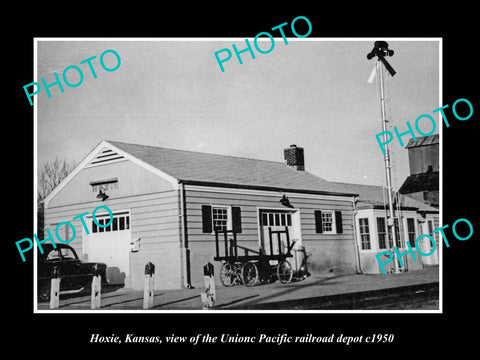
{"x":44,"y":291}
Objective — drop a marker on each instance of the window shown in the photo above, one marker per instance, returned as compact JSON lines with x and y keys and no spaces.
{"x":382,"y":233}
{"x":120,"y":221}
{"x":109,"y":227}
{"x":289,"y":219}
{"x":53,"y":255}
{"x":430,"y":226}
{"x":327,"y":221}
{"x":411,"y":231}
{"x":434,"y":235}
{"x":364,"y":234}
{"x":220,"y":218}
{"x":400,"y":242}
{"x":264,"y":218}
{"x":68,"y":254}
{"x":275,"y":218}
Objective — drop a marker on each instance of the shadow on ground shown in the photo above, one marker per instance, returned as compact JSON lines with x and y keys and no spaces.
{"x":289,"y":289}
{"x":109,"y":288}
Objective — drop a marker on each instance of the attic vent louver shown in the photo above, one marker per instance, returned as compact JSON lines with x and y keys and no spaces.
{"x":105,"y":157}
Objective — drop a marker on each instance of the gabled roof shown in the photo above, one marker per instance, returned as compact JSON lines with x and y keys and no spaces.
{"x":376,"y":196}
{"x":423,"y":141}
{"x":93,"y":156}
{"x":199,"y":168}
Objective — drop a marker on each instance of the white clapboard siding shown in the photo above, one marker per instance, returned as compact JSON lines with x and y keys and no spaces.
{"x":249,"y":204}
{"x":153,"y":217}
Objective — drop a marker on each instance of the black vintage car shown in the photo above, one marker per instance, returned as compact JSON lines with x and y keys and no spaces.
{"x":75,"y":274}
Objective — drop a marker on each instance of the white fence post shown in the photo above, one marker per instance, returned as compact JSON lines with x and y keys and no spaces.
{"x":209,"y":296}
{"x":148,"y":286}
{"x":96,"y":295}
{"x":55,"y":288}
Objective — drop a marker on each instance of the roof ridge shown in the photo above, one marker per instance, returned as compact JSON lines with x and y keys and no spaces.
{"x":347,"y":183}
{"x":197,"y":152}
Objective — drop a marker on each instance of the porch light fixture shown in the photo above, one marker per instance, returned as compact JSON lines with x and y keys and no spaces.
{"x":101,"y":195}
{"x":285,"y":201}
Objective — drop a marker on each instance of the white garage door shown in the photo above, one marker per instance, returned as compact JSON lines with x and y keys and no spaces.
{"x":111,"y":244}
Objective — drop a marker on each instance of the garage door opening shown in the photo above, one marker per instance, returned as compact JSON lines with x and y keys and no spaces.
{"x":110,"y":245}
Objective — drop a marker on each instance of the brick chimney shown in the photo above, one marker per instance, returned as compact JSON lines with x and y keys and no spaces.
{"x":294,"y":157}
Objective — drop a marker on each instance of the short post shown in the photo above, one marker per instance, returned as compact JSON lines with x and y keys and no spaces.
{"x":96,"y":293}
{"x":55,"y":288}
{"x":209,"y":296}
{"x":148,"y":286}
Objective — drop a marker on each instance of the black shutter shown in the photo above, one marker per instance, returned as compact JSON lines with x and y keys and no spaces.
{"x":338,"y":222}
{"x":207,"y":218}
{"x":318,"y":221}
{"x":236,"y":219}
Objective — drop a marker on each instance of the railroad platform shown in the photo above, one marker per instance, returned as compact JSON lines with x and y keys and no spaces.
{"x":418,"y":289}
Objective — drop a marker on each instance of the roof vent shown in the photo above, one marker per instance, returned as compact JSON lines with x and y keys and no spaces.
{"x":106,"y":156}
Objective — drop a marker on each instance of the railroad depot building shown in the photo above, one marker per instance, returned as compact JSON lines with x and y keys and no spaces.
{"x":166,"y":204}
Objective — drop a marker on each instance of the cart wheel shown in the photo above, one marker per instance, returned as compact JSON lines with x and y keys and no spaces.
{"x":250,"y":275}
{"x":228,"y":274}
{"x":284,"y":272}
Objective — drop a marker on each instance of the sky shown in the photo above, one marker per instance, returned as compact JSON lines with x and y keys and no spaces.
{"x":171,"y":93}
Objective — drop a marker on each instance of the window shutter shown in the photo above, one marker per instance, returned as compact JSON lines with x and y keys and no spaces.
{"x":318,"y":221}
{"x":207,"y":218}
{"x":236,"y":219}
{"x":338,"y":222}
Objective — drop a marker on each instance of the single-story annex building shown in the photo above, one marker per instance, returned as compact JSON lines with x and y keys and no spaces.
{"x":167,"y":202}
{"x":411,"y":219}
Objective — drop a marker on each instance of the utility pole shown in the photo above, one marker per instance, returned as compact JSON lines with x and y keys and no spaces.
{"x":380,"y":50}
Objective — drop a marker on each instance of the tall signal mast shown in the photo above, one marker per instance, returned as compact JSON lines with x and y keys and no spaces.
{"x":381,"y":50}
